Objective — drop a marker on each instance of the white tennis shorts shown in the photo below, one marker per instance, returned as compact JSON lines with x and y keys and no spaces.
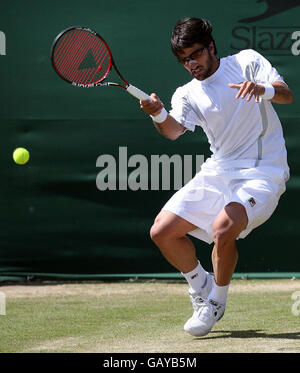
{"x":202,"y":198}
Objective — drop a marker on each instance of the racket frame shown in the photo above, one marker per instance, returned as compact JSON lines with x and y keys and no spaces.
{"x":134,"y":91}
{"x":100,"y":82}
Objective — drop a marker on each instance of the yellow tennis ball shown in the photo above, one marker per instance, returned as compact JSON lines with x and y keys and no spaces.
{"x":21,"y":156}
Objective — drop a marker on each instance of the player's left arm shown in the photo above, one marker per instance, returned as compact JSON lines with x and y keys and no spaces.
{"x":248,"y":89}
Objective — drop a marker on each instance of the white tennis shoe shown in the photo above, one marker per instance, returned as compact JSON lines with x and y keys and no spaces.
{"x":196,"y":324}
{"x":206,"y":314}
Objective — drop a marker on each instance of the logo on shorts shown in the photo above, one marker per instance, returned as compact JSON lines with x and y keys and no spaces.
{"x":194,"y":276}
{"x":252,"y":201}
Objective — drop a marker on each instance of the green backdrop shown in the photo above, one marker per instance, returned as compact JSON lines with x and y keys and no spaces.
{"x":54,"y":220}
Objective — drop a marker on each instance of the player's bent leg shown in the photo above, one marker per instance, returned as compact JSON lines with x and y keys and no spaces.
{"x":169,"y":234}
{"x":227,"y":227}
{"x":229,"y":223}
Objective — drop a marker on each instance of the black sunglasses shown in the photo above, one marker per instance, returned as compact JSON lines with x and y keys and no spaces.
{"x":197,"y":53}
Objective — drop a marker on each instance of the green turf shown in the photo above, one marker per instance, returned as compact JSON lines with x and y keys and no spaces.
{"x":149,"y":317}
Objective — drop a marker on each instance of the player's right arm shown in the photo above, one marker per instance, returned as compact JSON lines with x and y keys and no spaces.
{"x":169,"y":128}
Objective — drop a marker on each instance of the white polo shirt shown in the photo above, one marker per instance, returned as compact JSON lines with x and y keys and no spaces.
{"x":246,"y":135}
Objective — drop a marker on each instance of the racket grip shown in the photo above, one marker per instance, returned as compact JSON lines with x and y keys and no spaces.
{"x":138,"y":93}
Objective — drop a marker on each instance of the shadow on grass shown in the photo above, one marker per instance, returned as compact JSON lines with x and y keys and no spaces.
{"x":259,"y":333}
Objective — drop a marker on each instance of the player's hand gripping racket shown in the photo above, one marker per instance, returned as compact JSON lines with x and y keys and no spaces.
{"x":82,"y":57}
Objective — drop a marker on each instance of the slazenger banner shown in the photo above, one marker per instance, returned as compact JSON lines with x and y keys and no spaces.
{"x":267,"y":33}
{"x":98,"y":171}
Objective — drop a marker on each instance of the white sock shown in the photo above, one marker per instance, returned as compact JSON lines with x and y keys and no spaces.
{"x":196,"y":278}
{"x":219,"y":293}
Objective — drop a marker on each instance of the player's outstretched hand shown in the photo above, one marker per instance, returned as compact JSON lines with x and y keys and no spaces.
{"x":153,"y":107}
{"x":248,"y":88}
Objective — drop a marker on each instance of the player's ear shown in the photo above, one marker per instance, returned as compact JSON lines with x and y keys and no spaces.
{"x":211,"y":46}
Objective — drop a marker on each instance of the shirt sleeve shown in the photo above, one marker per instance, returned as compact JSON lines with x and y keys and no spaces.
{"x":257,"y":68}
{"x":182,"y":110}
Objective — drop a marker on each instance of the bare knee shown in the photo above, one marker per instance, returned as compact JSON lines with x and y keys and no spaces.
{"x":224,"y":236}
{"x":164,"y":229}
{"x":229,"y":224}
{"x":168,"y":227}
{"x":226,"y":233}
{"x":159,"y":232}
{"x":155,"y":232}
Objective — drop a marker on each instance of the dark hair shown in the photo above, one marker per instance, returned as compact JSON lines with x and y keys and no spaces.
{"x":189,"y":31}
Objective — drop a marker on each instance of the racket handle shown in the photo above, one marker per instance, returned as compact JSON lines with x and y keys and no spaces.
{"x":138,"y":93}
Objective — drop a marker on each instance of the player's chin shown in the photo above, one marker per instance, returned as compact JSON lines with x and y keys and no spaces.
{"x":199,"y":74}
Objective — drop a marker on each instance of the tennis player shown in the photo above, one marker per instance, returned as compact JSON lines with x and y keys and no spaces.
{"x":239,"y":186}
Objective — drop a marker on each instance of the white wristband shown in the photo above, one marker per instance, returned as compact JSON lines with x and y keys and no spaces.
{"x":161,"y":117}
{"x":269,"y":91}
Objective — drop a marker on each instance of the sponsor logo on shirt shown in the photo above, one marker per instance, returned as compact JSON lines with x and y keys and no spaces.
{"x":252,"y":202}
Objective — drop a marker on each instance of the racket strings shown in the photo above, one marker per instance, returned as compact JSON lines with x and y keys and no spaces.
{"x":81,"y":57}
{"x":74,"y":49}
{"x":71,"y":52}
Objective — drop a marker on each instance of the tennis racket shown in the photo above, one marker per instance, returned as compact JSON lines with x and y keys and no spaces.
{"x":82,"y":57}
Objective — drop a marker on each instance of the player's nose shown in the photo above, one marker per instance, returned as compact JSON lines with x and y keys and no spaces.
{"x":193,"y":64}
